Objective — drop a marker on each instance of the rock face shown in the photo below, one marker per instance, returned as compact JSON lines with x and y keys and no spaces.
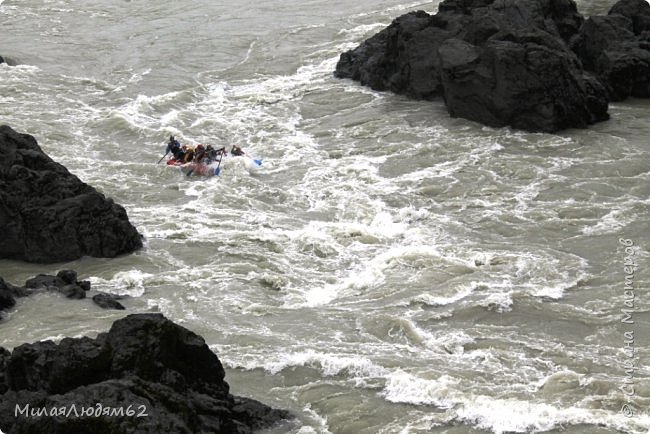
{"x":165,"y":373}
{"x":48,"y":215}
{"x":616,"y":48}
{"x":532,"y":64}
{"x":9,"y":293}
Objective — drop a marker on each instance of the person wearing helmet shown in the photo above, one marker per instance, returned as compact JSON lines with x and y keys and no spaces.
{"x":172,"y":145}
{"x":211,"y":154}
{"x":189,"y":154}
{"x":199,"y":154}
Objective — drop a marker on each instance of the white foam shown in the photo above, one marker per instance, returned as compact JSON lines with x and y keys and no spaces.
{"x":441,"y":300}
{"x":132,"y":283}
{"x":362,"y":30}
{"x":610,"y":223}
{"x":321,"y":423}
{"x":330,"y":364}
{"x":367,"y":275}
{"x":498,"y":415}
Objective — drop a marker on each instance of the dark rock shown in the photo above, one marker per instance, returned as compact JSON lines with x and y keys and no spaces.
{"x":73,"y":291}
{"x":6,"y":296}
{"x":48,"y":214}
{"x":636,"y":10}
{"x":617,"y":50}
{"x":2,"y":60}
{"x":626,"y":70}
{"x":536,"y":65}
{"x":4,"y":358}
{"x":545,"y":91}
{"x":597,"y":34}
{"x":146,"y":362}
{"x":108,"y":301}
{"x":399,"y":58}
{"x":65,"y":282}
{"x":9,"y":293}
{"x":44,"y":281}
{"x":68,"y":276}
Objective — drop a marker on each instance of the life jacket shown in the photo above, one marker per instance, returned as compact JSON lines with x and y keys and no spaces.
{"x":199,"y":154}
{"x":178,"y":153}
{"x":189,"y":154}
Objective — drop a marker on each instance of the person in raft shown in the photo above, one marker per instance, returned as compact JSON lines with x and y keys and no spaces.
{"x":211,"y":154}
{"x":236,"y":151}
{"x":173,"y":146}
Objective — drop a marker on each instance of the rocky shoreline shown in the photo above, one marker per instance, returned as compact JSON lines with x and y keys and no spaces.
{"x":535,"y":65}
{"x":145,"y":375}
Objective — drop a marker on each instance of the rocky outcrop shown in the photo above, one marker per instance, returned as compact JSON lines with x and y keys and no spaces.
{"x":146,"y":375}
{"x":9,"y":293}
{"x":532,"y":64}
{"x":48,"y":215}
{"x":64,"y":283}
{"x":616,"y":48}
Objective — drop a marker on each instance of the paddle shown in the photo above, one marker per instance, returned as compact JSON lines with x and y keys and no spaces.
{"x":170,"y":145}
{"x":217,"y":171}
{"x":161,"y":158}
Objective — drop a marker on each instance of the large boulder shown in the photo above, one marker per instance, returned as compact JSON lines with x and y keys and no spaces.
{"x":519,"y":81}
{"x":536,"y":65}
{"x":48,"y":215}
{"x":145,"y":364}
{"x":616,"y":48}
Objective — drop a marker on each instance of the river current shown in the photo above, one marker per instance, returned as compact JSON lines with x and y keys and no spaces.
{"x":388,"y":269}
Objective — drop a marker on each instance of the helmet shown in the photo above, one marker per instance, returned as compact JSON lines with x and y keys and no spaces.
{"x":199,"y":147}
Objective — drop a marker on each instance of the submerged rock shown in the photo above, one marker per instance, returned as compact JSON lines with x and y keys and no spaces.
{"x":108,"y":301}
{"x":531,"y":64}
{"x":49,"y":215}
{"x":65,"y":283}
{"x":162,"y":374}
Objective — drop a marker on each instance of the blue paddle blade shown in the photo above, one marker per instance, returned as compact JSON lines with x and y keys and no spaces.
{"x":217,"y":171}
{"x":189,"y":173}
{"x":258,"y":162}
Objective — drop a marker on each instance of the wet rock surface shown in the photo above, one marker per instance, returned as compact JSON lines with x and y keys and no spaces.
{"x":145,"y":375}
{"x":535,"y":65}
{"x":48,"y":215}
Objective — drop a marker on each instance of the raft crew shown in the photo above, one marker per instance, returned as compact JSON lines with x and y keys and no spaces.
{"x":200,"y":154}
